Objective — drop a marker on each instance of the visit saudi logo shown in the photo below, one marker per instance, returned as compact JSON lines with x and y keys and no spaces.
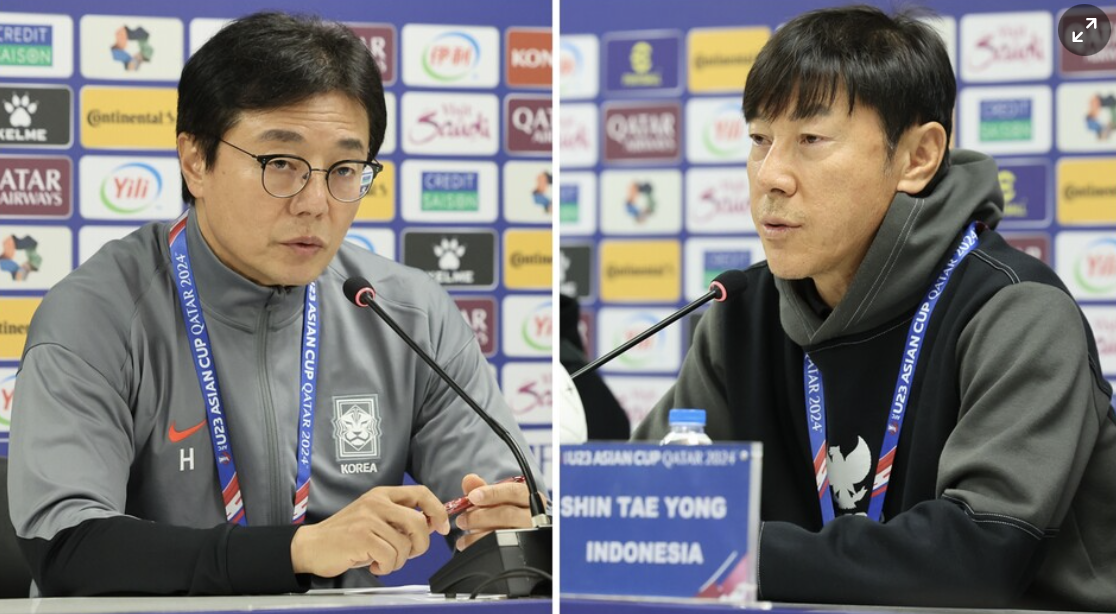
{"x":451,"y":56}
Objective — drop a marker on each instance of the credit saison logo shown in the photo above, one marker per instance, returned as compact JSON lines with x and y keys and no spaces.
{"x":716,"y":262}
{"x":26,"y":45}
{"x":33,"y":186}
{"x":131,"y":187}
{"x":1005,"y":120}
{"x":451,"y":56}
{"x":449,"y":191}
{"x":98,"y":117}
{"x":1095,"y":270}
{"x":569,"y":199}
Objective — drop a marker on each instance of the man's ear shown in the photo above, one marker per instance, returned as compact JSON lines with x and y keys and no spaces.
{"x":920,"y":152}
{"x":191,"y":160}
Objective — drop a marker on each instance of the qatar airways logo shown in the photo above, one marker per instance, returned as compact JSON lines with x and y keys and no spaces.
{"x":461,"y":124}
{"x":1007,"y":46}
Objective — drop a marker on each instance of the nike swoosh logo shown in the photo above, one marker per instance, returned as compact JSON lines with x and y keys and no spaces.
{"x":176,"y":435}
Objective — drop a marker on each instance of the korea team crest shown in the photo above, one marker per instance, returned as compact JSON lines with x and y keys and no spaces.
{"x":356,"y":426}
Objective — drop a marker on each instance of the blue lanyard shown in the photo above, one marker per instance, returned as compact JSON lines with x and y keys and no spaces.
{"x":206,"y":368}
{"x":815,"y":395}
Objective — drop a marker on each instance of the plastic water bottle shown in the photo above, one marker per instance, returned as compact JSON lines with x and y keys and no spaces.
{"x":687,"y":428}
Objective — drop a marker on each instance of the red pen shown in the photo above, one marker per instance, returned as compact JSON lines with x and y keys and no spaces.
{"x":461,"y":504}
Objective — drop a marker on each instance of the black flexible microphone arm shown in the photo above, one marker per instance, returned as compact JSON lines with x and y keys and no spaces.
{"x":361,"y":293}
{"x":724,"y":285}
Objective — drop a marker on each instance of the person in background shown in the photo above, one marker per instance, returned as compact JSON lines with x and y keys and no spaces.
{"x":604,"y":417}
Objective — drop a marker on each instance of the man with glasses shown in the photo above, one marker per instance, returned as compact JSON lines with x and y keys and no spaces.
{"x":201,"y":411}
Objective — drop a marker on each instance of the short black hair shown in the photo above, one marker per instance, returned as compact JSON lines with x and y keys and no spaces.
{"x":896,"y":65}
{"x":269,"y":60}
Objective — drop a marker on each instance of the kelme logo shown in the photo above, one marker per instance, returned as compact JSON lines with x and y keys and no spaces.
{"x":1096,"y":268}
{"x":451,"y":56}
{"x":131,"y":187}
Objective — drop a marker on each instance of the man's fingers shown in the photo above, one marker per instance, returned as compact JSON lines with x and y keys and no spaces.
{"x":505,"y":493}
{"x":424,"y":500}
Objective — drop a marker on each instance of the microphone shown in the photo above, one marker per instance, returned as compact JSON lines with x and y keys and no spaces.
{"x":726,"y":284}
{"x":508,"y":558}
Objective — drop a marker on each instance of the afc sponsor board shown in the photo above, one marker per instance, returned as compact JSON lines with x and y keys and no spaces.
{"x":1008,"y":120}
{"x":1087,"y":191}
{"x":449,"y":191}
{"x":36,"y":187}
{"x":576,"y":271}
{"x":1087,"y":117}
{"x":707,"y":258}
{"x":131,"y":47}
{"x":453,"y":257}
{"x":378,"y":205}
{"x":128,"y":117}
{"x":1034,"y":244}
{"x":480,"y":315}
{"x":718,"y":201}
{"x":541,"y":443}
{"x":642,"y":132}
{"x":661,"y":352}
{"x":528,"y":389}
{"x":15,"y":319}
{"x":1100,"y":64}
{"x":7,"y":391}
{"x":379,"y":241}
{"x":39,"y":116}
{"x":528,"y":263}
{"x":528,"y":192}
{"x":1007,"y":46}
{"x":1103,"y":322}
{"x":450,"y":124}
{"x":1026,"y":185}
{"x":1086,"y":262}
{"x":946,"y":28}
{"x":577,"y":203}
{"x":716,"y":131}
{"x":381,"y":42}
{"x":528,"y":125}
{"x":529,"y":59}
{"x":92,"y":237}
{"x":578,"y":142}
{"x":640,"y":271}
{"x":388,"y":146}
{"x":130,"y":188}
{"x":202,"y":29}
{"x":646,"y":61}
{"x":451,"y":56}
{"x":527,"y":322}
{"x":578,"y":67}
{"x":638,"y":395}
{"x":34,"y":257}
{"x":36,"y":45}
{"x":718,"y":59}
{"x":641,"y":202}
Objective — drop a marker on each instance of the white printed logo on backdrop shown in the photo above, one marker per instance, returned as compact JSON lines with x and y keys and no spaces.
{"x":130,"y":188}
{"x":997,"y":47}
{"x":641,"y":202}
{"x":579,"y":75}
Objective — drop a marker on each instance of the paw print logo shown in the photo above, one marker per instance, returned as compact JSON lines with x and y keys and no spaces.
{"x":20,"y":110}
{"x":449,"y":253}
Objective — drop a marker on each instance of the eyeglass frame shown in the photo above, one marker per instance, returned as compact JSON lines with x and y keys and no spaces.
{"x":264,"y":159}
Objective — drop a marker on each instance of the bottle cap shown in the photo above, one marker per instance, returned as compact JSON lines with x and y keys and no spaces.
{"x":687,"y":416}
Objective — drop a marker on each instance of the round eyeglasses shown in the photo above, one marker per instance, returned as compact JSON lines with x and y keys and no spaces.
{"x":285,"y":175}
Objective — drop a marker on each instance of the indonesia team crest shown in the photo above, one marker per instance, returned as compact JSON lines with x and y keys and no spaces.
{"x":356,"y":426}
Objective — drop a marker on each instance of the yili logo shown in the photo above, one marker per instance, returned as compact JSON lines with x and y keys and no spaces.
{"x":7,"y":390}
{"x":131,"y":187}
{"x":451,"y":56}
{"x":537,"y":326}
{"x":717,"y":262}
{"x":725,"y":134}
{"x":644,"y":352}
{"x":448,"y":191}
{"x":1095,"y":270}
{"x":1006,"y":120}
{"x":26,"y":45}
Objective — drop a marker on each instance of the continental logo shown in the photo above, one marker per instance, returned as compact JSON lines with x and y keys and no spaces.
{"x":15,"y":320}
{"x":379,"y":204}
{"x":128,"y":117}
{"x":528,"y":260}
{"x":640,"y":271}
{"x":1087,"y":191}
{"x":719,"y":59}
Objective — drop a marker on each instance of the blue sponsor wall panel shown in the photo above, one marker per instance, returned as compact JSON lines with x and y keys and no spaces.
{"x":653,"y":189}
{"x":87,"y":104}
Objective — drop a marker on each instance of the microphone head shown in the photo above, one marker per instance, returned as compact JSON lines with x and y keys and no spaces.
{"x":359,"y":291}
{"x":729,"y":283}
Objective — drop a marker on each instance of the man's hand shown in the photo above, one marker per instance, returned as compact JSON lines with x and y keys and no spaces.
{"x":495,"y":506}
{"x":380,"y":530}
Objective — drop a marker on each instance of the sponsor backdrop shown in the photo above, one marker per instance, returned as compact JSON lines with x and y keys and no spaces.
{"x":87,"y":115}
{"x":653,"y":191}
